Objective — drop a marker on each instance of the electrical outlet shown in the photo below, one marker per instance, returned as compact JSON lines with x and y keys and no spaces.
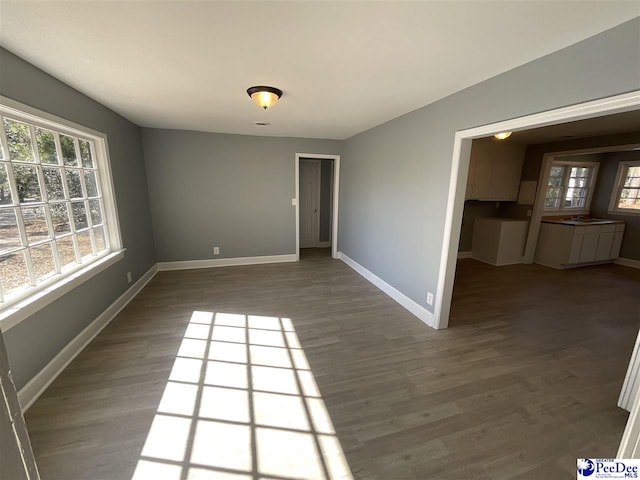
{"x":294,"y":201}
{"x":529,"y":213}
{"x":216,"y":250}
{"x":128,"y":277}
{"x":429,"y":298}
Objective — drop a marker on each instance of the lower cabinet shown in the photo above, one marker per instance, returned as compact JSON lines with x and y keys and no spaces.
{"x":564,"y":246}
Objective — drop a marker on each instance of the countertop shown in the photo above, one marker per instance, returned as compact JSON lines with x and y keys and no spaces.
{"x":584,"y":222}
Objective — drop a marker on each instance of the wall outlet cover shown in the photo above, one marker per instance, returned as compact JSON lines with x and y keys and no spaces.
{"x":216,"y":250}
{"x":429,"y":298}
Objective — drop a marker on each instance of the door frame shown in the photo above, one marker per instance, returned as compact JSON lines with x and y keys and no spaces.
{"x":460,"y":170}
{"x":334,"y":200}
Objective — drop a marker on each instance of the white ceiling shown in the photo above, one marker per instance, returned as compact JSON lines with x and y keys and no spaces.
{"x":344,"y":66}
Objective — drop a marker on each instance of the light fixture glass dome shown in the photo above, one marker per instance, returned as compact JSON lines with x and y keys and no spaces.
{"x":264,"y":97}
{"x":503,"y":135}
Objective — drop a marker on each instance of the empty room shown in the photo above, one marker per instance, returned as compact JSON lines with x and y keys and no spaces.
{"x":243,"y":240}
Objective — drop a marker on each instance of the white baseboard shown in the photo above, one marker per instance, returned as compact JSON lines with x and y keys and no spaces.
{"x":627,"y":262}
{"x":463,"y":255}
{"x":225,"y":262}
{"x":37,"y":385}
{"x":324,"y":244}
{"x":418,"y":310}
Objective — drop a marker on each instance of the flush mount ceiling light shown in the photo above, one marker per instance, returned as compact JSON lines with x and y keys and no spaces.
{"x":263,"y":96}
{"x":503,"y":135}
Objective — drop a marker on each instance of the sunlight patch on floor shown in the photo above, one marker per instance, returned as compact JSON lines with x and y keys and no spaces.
{"x":241,"y":403}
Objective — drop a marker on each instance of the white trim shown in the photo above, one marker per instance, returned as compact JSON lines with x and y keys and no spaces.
{"x":460,"y":169}
{"x":630,"y":384}
{"x":591,"y":180}
{"x":103,"y":161}
{"x":419,"y":311}
{"x":452,"y":227}
{"x":22,"y":304}
{"x":627,"y":262}
{"x":630,"y":400}
{"x":629,"y":443}
{"x":224,"y":262}
{"x":38,"y":384}
{"x":463,"y":255}
{"x":616,"y":192}
{"x":335,"y":203}
{"x":326,"y":244}
{"x":297,"y":204}
{"x":47,"y":119}
{"x":17,"y":312}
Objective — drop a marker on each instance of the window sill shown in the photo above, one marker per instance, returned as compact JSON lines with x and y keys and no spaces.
{"x":15,"y":313}
{"x":627,"y":213}
{"x":566,"y":211}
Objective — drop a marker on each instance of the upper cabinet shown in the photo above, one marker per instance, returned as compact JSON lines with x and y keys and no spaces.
{"x":495,"y":169}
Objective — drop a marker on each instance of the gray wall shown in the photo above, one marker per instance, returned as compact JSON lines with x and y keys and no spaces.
{"x":535,"y":154}
{"x":233,"y":191}
{"x":395,"y":177}
{"x":602,"y":195}
{"x":35,"y":341}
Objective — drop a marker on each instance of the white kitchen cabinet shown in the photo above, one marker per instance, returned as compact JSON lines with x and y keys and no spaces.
{"x":494,"y":178}
{"x":617,"y":241}
{"x":605,"y":243}
{"x":589,"y":244}
{"x":499,"y":241}
{"x":565,"y":246}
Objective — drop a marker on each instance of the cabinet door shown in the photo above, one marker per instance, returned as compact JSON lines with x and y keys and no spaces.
{"x":605,"y":241}
{"x":505,"y":178}
{"x":576,"y":246}
{"x":615,"y":245}
{"x":589,"y":244}
{"x":481,"y":179}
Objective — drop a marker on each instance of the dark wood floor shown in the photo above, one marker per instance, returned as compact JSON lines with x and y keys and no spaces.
{"x":523,"y":382}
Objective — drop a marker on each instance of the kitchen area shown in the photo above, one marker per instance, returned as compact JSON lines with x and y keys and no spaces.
{"x":564,"y":196}
{"x":549,"y":254}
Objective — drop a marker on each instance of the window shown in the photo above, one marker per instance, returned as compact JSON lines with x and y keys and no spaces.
{"x":570,"y":186}
{"x":626,"y":194}
{"x":57,"y":213}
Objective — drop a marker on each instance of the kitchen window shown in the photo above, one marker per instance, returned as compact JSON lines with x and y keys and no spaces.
{"x":570,"y":186}
{"x":57,"y":210}
{"x":626,"y":194}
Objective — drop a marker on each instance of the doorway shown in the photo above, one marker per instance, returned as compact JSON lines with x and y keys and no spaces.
{"x":317,"y":189}
{"x":460,"y":171}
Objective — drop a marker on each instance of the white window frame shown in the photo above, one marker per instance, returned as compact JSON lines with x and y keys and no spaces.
{"x":19,"y":306}
{"x":594,"y":166}
{"x":621,"y":175}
